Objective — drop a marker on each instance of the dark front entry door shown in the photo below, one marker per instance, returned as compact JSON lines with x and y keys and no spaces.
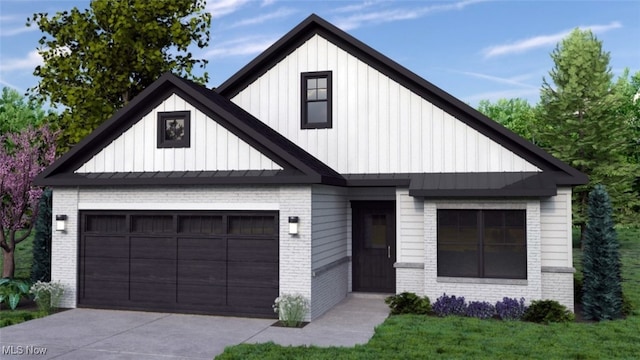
{"x":374,"y":246}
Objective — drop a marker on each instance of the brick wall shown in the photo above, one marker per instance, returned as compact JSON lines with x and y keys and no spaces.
{"x":557,"y":284}
{"x":64,"y":245}
{"x":329,"y":288}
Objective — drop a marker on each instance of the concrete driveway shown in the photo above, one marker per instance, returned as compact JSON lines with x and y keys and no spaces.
{"x":110,"y":334}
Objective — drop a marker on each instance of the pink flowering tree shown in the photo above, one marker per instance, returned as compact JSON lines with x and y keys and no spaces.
{"x":23,"y":155}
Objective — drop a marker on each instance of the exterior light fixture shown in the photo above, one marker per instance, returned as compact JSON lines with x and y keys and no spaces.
{"x":293,"y":225}
{"x":61,"y":223}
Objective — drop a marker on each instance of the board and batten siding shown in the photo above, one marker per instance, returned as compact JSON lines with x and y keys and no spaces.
{"x":212,"y":147}
{"x":328,"y":225}
{"x":379,"y":126}
{"x":555,"y":229}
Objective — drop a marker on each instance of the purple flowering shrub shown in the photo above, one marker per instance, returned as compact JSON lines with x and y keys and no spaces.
{"x":480,"y":310}
{"x":449,"y":305}
{"x":510,"y":309}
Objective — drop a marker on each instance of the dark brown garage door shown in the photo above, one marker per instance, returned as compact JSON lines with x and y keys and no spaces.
{"x":195,"y":262}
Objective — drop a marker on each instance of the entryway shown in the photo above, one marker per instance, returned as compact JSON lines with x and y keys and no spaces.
{"x":374,"y":246}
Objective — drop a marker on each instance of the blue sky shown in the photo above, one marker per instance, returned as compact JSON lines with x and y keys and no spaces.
{"x":472,"y":49}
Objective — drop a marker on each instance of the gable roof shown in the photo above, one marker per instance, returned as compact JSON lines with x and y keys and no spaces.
{"x":298,"y":165}
{"x":560,"y":172}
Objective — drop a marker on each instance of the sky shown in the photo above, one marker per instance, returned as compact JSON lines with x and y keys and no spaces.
{"x":472,"y":49}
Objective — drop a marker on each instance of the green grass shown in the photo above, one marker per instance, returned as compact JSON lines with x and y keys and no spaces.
{"x":418,"y":337}
{"x":12,"y":317}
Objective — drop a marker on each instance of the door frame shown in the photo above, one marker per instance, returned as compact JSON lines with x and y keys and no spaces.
{"x":357,"y":206}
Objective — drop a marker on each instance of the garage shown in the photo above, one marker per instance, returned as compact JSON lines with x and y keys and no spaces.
{"x":212,"y":262}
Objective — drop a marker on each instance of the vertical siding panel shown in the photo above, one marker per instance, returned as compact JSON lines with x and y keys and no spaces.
{"x":460,"y":147}
{"x":416,"y":133}
{"x":342,"y":102}
{"x":427,"y":142}
{"x":363,"y":117}
{"x":233,"y":152}
{"x":212,"y":144}
{"x":384,"y":151}
{"x":373,"y":123}
{"x":352,"y":115}
{"x":437,"y":129}
{"x":471,"y":150}
{"x":449,"y":143}
{"x":140,"y":145}
{"x":303,"y":66}
{"x":405,"y":130}
{"x":331,"y":136}
{"x":199,"y":142}
{"x":222,"y":145}
{"x":128,"y":151}
{"x":482,"y":150}
{"x":293,"y":115}
{"x":393,"y":122}
{"x":109,"y":158}
{"x":285,"y":93}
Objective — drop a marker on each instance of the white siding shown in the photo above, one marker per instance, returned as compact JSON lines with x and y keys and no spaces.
{"x":328,"y":225}
{"x":212,"y":147}
{"x":409,"y":228}
{"x":379,"y":126}
{"x":555,"y":225}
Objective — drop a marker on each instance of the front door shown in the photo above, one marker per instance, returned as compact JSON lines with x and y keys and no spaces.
{"x":374,"y":246}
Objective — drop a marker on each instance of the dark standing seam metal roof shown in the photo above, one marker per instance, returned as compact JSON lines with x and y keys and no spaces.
{"x":562,"y":173}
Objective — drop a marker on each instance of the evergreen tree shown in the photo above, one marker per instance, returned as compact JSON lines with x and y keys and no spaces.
{"x":41,"y":265}
{"x":602,"y":284}
{"x":579,"y":125}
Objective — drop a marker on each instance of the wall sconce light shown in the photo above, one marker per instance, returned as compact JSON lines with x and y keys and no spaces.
{"x":61,"y":222}
{"x":293,"y":225}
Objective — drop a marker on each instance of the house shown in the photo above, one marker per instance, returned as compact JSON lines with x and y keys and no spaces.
{"x":321,"y":168}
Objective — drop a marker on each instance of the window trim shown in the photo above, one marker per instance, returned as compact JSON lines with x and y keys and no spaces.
{"x":303,"y":100}
{"x":480,"y":245}
{"x":185,"y":142}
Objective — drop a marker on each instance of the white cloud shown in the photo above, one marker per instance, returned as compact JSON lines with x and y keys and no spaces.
{"x":239,"y":47}
{"x":355,"y":7}
{"x":524,"y":45}
{"x":220,"y":8}
{"x":515,"y":80}
{"x":19,"y":30}
{"x":281,"y":13}
{"x":267,"y":2}
{"x":8,"y":84}
{"x":32,"y":60}
{"x":355,"y":21}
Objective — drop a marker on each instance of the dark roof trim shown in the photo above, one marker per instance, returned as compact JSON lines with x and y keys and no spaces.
{"x":316,"y":25}
{"x":266,"y":140}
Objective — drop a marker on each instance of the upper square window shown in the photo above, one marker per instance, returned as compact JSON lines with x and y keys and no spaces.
{"x":482,"y":243}
{"x":174,"y":129}
{"x":316,"y":100}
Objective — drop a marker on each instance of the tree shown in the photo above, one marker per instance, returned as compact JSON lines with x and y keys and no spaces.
{"x":97,"y":60}
{"x":578,"y":122}
{"x":602,"y":282}
{"x":515,"y":114}
{"x":23,"y":155}
{"x":41,"y":265}
{"x":16,"y":113}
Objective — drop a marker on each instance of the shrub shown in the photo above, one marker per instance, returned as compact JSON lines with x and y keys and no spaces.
{"x":12,"y":290}
{"x":510,"y":309}
{"x":291,"y":309}
{"x":408,"y":303}
{"x":450,"y":305}
{"x":47,"y":295}
{"x":480,"y":310}
{"x":601,"y":283}
{"x":547,"y":311}
{"x":41,"y":264}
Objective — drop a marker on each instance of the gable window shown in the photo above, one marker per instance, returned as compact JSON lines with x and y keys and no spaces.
{"x":482,"y":243}
{"x":316,"y":100}
{"x":174,"y":129}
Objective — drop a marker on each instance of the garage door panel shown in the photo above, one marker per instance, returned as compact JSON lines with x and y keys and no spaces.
{"x":263,"y":275}
{"x":105,"y":292}
{"x":106,"y":269}
{"x":202,"y":249}
{"x":260,"y":250}
{"x":153,"y":248}
{"x":106,"y":246}
{"x":153,"y":292}
{"x":202,"y":273}
{"x":153,"y":270}
{"x":197,"y":294}
{"x":259,"y":300}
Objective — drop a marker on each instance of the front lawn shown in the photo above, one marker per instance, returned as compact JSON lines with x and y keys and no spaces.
{"x":413,"y":336}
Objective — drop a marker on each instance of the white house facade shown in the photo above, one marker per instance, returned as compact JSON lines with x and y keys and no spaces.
{"x":320,"y":168}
